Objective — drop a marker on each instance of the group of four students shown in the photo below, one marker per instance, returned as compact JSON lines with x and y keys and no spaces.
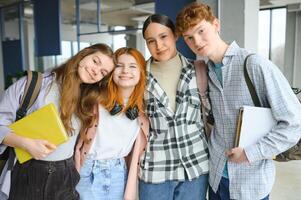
{"x":128,"y":118}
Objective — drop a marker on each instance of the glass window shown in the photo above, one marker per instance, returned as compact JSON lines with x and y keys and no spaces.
{"x":264,"y":33}
{"x":119,"y":39}
{"x":66,"y":53}
{"x":271,"y":34}
{"x":278,"y":36}
{"x":81,"y":46}
{"x":10,"y":27}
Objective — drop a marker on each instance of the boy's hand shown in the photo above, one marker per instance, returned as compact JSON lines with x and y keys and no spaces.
{"x":237,"y":155}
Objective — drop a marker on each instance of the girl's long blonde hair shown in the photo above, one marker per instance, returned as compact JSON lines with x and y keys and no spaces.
{"x":76,"y":97}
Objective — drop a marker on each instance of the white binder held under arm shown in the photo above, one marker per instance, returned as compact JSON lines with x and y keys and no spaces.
{"x":252,"y":124}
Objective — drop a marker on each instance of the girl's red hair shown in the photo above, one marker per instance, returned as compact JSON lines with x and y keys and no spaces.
{"x":136,"y":98}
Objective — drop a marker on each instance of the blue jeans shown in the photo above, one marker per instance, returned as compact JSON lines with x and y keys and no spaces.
{"x":175,"y":190}
{"x":223,"y":192}
{"x":102,"y":179}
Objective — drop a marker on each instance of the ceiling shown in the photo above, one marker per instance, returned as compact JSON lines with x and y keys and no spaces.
{"x":113,"y":12}
{"x":118,"y":12}
{"x":277,"y":3}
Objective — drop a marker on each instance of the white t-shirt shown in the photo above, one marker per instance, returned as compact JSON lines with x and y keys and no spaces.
{"x":115,"y":136}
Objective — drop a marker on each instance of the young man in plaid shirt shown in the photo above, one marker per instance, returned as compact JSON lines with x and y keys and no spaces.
{"x":240,"y":173}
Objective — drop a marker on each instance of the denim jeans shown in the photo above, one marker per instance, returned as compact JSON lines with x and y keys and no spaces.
{"x":102,"y":179}
{"x":44,"y":180}
{"x":223,"y":192}
{"x":175,"y":190}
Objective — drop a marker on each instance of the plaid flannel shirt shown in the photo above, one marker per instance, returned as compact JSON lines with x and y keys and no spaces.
{"x":177,"y":148}
{"x":252,"y":180}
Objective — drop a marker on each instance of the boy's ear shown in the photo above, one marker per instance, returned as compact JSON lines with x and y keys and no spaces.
{"x":217,"y":25}
{"x":176,"y":35}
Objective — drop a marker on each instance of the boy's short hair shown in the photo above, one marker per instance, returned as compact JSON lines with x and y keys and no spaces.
{"x":191,"y":15}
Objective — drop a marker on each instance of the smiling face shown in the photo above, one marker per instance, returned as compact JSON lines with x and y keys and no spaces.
{"x":203,"y":38}
{"x":161,"y":41}
{"x":94,"y":67}
{"x":126,"y":75}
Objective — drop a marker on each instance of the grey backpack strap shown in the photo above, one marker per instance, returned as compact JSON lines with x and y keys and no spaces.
{"x":202,"y":83}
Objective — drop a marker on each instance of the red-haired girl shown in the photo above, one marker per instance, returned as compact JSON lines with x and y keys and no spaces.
{"x":101,"y":150}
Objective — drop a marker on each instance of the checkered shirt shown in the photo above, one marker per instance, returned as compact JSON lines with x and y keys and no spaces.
{"x":177,"y":148}
{"x":252,"y":180}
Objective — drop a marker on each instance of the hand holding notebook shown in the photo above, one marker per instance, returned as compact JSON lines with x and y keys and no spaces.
{"x":38,"y":148}
{"x":44,"y":124}
{"x":253,"y":123}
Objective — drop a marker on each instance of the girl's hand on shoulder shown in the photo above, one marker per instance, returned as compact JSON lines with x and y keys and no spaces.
{"x":38,"y":148}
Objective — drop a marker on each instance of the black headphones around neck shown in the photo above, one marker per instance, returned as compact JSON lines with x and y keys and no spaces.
{"x":131,"y":113}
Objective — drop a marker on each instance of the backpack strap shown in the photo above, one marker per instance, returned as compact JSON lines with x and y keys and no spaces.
{"x":251,"y":87}
{"x":201,"y":76}
{"x":31,"y":92}
{"x":202,"y":84}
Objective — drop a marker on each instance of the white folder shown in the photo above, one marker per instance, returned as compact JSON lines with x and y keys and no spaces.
{"x":253,"y":123}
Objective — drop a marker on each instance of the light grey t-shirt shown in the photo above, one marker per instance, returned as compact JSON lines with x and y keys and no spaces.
{"x":65,"y":150}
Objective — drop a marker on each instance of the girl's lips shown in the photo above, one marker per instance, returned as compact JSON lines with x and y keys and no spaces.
{"x":200,"y":48}
{"x":124,"y":77}
{"x":161,"y":52}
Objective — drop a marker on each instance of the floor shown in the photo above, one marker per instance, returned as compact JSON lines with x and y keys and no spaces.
{"x":288,"y":181}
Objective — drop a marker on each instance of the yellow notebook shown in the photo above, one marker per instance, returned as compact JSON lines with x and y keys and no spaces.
{"x":45,"y":123}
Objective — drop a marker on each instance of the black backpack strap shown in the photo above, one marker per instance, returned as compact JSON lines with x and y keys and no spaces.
{"x":250,"y":85}
{"x":31,"y":92}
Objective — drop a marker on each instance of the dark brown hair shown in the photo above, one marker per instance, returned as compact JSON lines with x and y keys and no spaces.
{"x":160,"y":19}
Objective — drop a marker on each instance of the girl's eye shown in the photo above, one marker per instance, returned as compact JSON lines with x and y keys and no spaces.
{"x":96,"y":60}
{"x":150,"y":41}
{"x":118,"y":65}
{"x":133,"y":66}
{"x":201,"y":31}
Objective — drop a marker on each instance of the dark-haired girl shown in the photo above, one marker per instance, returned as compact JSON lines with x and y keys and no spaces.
{"x":175,"y":163}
